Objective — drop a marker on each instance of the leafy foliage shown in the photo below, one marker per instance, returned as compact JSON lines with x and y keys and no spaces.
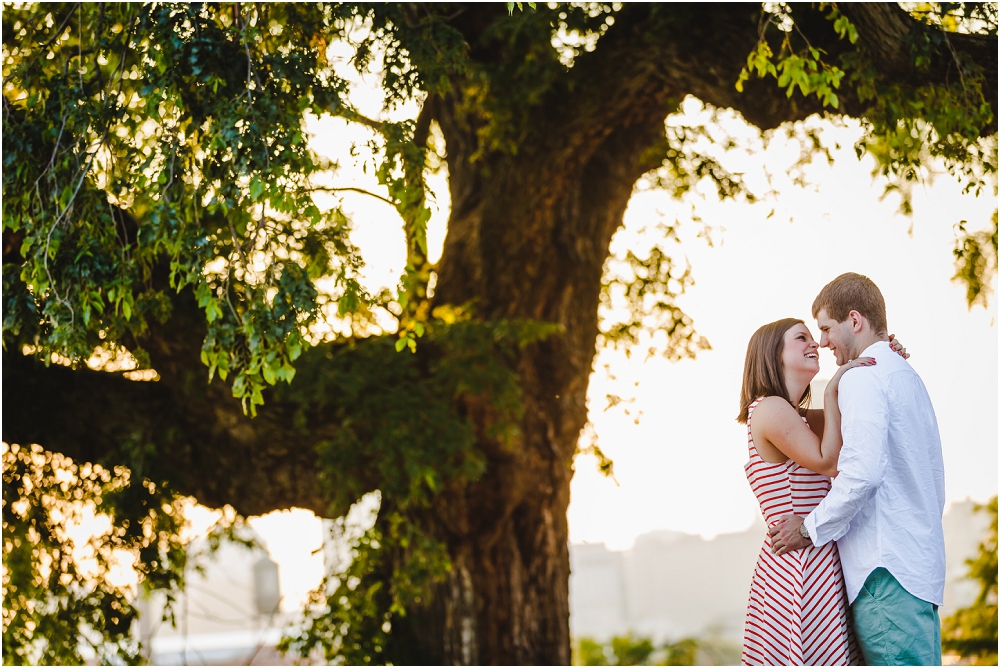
{"x":972,"y":632}
{"x":399,"y":433}
{"x":621,"y":651}
{"x":59,"y":586}
{"x":349,"y":616}
{"x":649,"y":287}
{"x":976,"y":261}
{"x":640,"y":287}
{"x":803,"y":68}
{"x":907,"y":126}
{"x":191,"y":117}
{"x":630,"y":650}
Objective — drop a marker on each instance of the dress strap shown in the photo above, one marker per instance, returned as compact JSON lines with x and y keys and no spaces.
{"x":750,"y":445}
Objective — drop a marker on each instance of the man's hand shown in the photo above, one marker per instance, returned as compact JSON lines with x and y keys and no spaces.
{"x":785,"y":535}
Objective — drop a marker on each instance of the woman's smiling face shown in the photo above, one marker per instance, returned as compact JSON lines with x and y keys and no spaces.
{"x":800,"y":354}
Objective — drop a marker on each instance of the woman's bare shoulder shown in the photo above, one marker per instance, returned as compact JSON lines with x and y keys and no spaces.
{"x":772,"y":406}
{"x":774,"y":411}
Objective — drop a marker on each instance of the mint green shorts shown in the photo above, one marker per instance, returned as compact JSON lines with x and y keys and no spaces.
{"x":894,"y":627}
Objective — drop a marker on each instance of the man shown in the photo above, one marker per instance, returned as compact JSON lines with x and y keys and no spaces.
{"x":885,"y":506}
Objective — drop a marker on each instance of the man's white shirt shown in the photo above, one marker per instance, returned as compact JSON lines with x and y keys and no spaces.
{"x":884,"y":508}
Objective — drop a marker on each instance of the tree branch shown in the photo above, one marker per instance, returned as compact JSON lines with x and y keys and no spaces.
{"x":357,"y":117}
{"x":198,"y":441}
{"x":673,"y":49}
{"x":887,"y":30}
{"x":330,"y":189}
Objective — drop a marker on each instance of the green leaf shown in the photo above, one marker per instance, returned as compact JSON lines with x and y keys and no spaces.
{"x":431,"y":480}
{"x":256,"y":188}
{"x":294,"y":346}
{"x":269,"y":375}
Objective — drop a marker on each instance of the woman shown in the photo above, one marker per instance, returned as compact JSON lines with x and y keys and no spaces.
{"x":797,"y":613}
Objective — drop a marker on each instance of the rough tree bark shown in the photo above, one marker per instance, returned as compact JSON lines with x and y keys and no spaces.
{"x":528,"y":237}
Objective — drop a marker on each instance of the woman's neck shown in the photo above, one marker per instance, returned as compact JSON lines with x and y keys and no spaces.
{"x":796,"y":388}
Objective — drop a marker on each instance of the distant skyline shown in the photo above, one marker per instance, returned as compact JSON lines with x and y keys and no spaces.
{"x":611,"y":592}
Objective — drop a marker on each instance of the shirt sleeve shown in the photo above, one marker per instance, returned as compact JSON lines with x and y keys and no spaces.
{"x":861,"y":468}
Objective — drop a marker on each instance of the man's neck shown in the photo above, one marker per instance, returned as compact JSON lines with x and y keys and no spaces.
{"x":864,"y":340}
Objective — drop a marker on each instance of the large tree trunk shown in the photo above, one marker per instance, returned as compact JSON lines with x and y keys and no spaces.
{"x":528,"y":238}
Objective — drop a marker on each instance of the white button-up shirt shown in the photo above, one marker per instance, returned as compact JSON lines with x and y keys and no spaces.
{"x":885,"y":505}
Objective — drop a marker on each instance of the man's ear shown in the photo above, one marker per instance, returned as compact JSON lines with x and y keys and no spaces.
{"x":858,"y":322}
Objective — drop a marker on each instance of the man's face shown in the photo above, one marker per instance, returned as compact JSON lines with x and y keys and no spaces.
{"x":837,"y":336}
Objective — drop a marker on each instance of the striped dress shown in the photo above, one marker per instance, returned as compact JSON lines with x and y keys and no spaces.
{"x":797,"y":614}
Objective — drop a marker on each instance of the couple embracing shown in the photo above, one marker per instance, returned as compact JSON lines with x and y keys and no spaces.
{"x":852,"y":569}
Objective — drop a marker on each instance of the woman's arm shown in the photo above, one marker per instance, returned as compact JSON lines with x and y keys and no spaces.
{"x":785,"y":434}
{"x":780,"y":434}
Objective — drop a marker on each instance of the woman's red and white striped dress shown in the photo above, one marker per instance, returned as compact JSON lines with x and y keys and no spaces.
{"x":797,"y":614}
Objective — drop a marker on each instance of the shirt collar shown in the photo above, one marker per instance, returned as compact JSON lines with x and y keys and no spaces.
{"x":875,"y":347}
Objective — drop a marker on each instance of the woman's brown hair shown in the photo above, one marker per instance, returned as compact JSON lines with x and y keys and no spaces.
{"x":763,"y":371}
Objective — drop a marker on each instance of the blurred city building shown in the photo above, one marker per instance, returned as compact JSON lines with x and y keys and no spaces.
{"x":670,"y":585}
{"x":229,"y":614}
{"x":667,"y":587}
